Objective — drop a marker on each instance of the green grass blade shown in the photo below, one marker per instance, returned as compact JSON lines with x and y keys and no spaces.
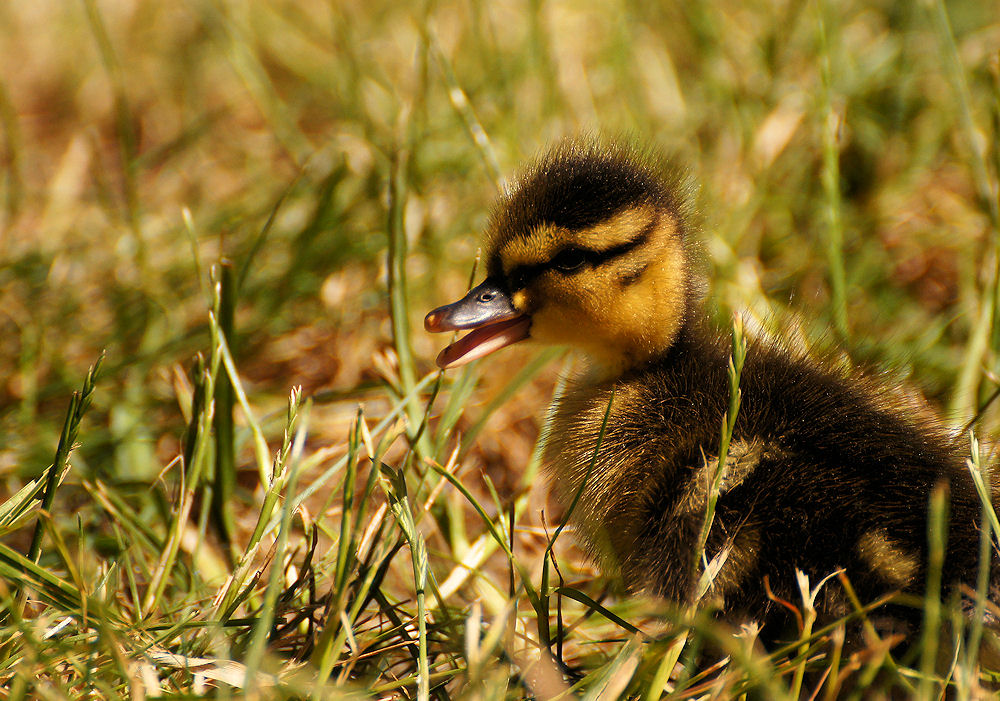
{"x":78,"y":405}
{"x":267,"y":613}
{"x":400,"y":506}
{"x":224,"y":477}
{"x":937,"y":526}
{"x":831,"y":127}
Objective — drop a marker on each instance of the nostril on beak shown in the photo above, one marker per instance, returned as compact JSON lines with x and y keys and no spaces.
{"x":432,"y":321}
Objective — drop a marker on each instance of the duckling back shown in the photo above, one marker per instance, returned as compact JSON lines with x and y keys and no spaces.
{"x":824,"y":473}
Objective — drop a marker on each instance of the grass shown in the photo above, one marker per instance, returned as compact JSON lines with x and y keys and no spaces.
{"x":267,"y":490}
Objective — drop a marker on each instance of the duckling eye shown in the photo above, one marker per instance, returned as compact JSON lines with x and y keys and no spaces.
{"x":569,"y":259}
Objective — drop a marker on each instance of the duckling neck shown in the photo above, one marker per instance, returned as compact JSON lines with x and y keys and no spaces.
{"x":604,"y":365}
{"x":651,"y":340}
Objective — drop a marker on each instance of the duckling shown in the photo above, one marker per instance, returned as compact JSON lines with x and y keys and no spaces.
{"x":592,"y":248}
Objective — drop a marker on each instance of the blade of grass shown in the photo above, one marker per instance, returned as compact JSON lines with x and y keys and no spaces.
{"x":259,"y":442}
{"x":543,"y":608}
{"x":333,"y":636}
{"x":347,"y":522}
{"x":988,"y":526}
{"x":224,"y":479}
{"x":276,"y":485}
{"x":463,"y":107}
{"x":986,"y":187}
{"x":192,"y":475}
{"x":398,"y":295}
{"x":612,"y":681}
{"x":78,"y":405}
{"x":577,"y":595}
{"x":930,"y":638}
{"x":399,"y":504}
{"x":262,"y":235}
{"x":830,"y":177}
{"x":661,"y":678}
{"x":266,"y":616}
{"x":480,"y":549}
{"x":737,"y":357}
{"x":57,"y":592}
{"x":985,"y":330}
{"x":20,"y":506}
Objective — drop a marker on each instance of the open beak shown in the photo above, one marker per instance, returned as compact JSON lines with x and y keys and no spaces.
{"x":488,"y":311}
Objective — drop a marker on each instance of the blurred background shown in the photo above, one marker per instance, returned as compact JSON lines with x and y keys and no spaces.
{"x":275,"y":124}
{"x":143,"y":141}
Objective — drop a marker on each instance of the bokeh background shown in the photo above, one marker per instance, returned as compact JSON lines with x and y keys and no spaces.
{"x":330,"y":148}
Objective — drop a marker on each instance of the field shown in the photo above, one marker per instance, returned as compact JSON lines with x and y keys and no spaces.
{"x":228,"y":464}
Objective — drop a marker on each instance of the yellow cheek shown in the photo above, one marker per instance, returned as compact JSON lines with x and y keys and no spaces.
{"x":520,"y":300}
{"x":557,"y":325}
{"x":568,"y":315}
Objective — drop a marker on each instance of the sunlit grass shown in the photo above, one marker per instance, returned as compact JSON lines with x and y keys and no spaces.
{"x":273,"y":492}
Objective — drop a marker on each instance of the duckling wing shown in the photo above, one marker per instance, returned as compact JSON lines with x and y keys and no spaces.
{"x":821,"y":476}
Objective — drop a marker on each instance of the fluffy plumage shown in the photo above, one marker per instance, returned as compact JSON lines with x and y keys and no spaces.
{"x":826,"y":471}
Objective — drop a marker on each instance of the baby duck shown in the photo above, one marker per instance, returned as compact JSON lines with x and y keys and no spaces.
{"x":591,"y":248}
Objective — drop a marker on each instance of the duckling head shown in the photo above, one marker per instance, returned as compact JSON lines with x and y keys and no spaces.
{"x":587,"y":249}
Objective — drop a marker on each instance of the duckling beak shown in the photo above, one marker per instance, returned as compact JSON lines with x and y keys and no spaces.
{"x":491,"y":315}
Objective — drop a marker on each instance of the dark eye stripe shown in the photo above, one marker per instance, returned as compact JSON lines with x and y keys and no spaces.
{"x":524,"y":275}
{"x":640,"y":239}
